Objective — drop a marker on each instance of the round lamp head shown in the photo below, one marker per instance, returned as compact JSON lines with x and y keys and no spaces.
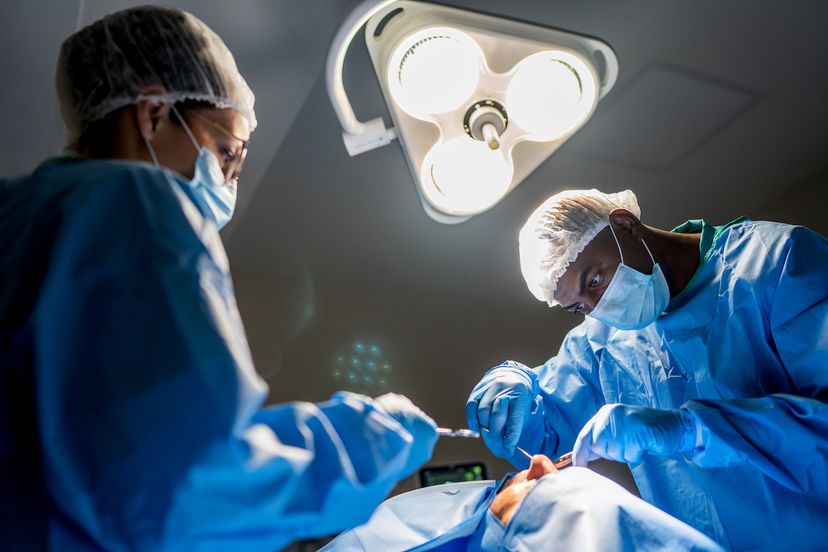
{"x":434,"y":70}
{"x":463,"y":176}
{"x":550,"y":94}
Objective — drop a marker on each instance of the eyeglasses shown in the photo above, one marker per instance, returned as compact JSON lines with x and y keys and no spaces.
{"x":232,"y":160}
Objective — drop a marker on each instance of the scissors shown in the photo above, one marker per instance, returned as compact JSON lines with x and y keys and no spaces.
{"x":563,"y":461}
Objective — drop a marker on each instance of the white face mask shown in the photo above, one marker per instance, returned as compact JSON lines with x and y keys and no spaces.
{"x":213,"y":193}
{"x":632,"y":300}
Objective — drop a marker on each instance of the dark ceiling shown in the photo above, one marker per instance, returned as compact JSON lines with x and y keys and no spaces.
{"x":719,"y":110}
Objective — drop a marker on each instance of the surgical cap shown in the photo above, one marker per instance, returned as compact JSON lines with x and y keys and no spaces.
{"x":104,"y":66}
{"x":558,"y":230}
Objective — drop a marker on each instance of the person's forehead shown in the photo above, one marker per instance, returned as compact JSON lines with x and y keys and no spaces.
{"x":569,"y":282}
{"x":232,"y":120}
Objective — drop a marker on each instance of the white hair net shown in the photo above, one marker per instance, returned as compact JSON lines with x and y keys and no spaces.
{"x":558,"y":230}
{"x":104,"y":66}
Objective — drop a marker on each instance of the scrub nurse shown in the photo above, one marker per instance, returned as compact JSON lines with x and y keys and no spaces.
{"x":129,"y":405}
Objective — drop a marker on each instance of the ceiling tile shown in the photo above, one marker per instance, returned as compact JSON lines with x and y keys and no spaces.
{"x":662,"y":116}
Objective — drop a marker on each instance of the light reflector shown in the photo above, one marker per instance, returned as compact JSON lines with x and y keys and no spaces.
{"x":550,"y":94}
{"x":463,"y":176}
{"x":434,"y":70}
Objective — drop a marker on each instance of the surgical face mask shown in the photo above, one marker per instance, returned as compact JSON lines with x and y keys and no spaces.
{"x":632,"y":300}
{"x":212,"y":192}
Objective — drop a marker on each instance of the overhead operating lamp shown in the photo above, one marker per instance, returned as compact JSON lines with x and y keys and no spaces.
{"x":477,"y":101}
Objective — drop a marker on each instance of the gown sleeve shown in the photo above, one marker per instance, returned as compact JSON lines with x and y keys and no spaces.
{"x":783,"y":435}
{"x":148,"y":402}
{"x":570,"y":393}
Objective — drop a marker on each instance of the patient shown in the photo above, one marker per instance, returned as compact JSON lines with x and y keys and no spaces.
{"x":539,"y":508}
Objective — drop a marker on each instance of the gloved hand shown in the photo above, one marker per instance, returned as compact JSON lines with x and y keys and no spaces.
{"x":625,"y":433}
{"x":416,"y":422}
{"x":499,"y":406}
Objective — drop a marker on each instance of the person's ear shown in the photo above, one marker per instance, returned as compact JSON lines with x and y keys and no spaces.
{"x":151,"y":112}
{"x":624,"y":222}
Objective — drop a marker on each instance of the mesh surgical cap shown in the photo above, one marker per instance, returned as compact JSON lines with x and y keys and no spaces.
{"x":559,"y":229}
{"x":104,"y":66}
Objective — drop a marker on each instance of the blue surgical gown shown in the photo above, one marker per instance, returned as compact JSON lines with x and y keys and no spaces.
{"x":574,"y":509}
{"x":129,"y":405}
{"x":745,"y":349}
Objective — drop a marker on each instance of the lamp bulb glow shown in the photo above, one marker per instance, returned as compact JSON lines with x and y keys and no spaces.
{"x":550,"y":94}
{"x":464,"y":176}
{"x":434,"y":70}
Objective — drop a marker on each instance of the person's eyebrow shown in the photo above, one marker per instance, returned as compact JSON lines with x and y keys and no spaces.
{"x":581,"y":286}
{"x":221,"y":128}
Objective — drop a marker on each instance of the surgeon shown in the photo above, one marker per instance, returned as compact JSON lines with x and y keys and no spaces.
{"x":129,"y":405}
{"x":702,"y":363}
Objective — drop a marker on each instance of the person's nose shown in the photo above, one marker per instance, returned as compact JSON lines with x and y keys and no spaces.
{"x":540,"y":466}
{"x":591,"y":299}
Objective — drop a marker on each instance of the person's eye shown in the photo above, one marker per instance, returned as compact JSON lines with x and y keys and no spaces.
{"x":227,"y":155}
{"x":595,"y":281}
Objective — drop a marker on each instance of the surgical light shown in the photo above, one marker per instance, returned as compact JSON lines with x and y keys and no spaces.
{"x":550,"y":94}
{"x":434,"y":71}
{"x":464,"y":176}
{"x":478,"y":101}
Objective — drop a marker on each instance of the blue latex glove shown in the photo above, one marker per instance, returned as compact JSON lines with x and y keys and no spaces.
{"x":502,"y":402}
{"x":421,"y":427}
{"x":625,"y":433}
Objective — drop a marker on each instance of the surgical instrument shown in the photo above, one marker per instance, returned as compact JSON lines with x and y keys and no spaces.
{"x":526,"y":454}
{"x":563,"y":461}
{"x":464,"y":433}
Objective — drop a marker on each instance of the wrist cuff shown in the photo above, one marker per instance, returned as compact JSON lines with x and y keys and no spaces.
{"x":690,"y":430}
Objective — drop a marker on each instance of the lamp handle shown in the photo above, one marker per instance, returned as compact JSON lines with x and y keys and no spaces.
{"x":358,"y":136}
{"x":610,"y":73}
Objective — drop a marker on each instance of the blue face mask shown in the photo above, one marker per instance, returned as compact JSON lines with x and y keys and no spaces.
{"x":215,"y":195}
{"x":632,"y":300}
{"x":212,"y":192}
